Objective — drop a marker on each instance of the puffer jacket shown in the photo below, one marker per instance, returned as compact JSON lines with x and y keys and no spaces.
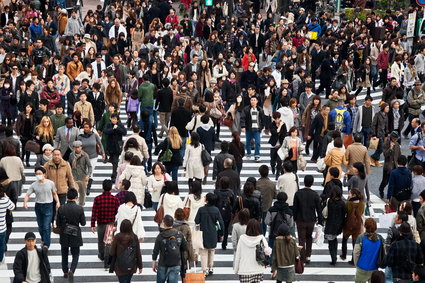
{"x":137,"y":177}
{"x":134,"y":215}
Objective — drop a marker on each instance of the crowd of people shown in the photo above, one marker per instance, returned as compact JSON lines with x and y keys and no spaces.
{"x":180,"y":72}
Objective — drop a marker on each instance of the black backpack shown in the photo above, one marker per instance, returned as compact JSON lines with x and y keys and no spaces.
{"x":225,"y":206}
{"x":278,"y":220}
{"x":127,"y":259}
{"x":171,"y":250}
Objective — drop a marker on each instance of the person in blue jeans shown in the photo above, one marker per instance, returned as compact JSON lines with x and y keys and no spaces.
{"x":252,"y":122}
{"x":170,"y":245}
{"x":45,"y":191}
{"x":5,"y":204}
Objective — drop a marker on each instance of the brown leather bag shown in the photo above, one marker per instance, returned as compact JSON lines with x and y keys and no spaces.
{"x":186,"y":209}
{"x":299,"y":266}
{"x":32,"y":146}
{"x":160,"y":212}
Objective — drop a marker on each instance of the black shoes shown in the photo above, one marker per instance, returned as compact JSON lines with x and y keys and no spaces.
{"x":89,"y":183}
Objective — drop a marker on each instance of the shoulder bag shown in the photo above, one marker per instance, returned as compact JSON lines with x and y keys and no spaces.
{"x":186,"y":209}
{"x":167,"y":154}
{"x":205,"y":157}
{"x":160,"y":212}
{"x":32,"y":146}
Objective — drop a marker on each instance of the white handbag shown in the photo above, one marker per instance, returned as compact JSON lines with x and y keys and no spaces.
{"x":321,"y":166}
{"x":283,"y":153}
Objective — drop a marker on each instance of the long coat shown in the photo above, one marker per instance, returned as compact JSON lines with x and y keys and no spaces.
{"x":71,"y":214}
{"x":335,"y":158}
{"x":193,"y":163}
{"x":207,"y":217}
{"x":336,"y":217}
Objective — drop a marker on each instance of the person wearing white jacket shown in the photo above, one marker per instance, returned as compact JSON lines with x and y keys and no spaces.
{"x":288,"y":183}
{"x":171,"y":199}
{"x":194,"y":200}
{"x":397,"y":69}
{"x":131,"y":211}
{"x":245,"y":263}
{"x":135,"y":173}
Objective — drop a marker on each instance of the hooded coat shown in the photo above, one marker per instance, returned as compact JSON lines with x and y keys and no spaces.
{"x":137,"y":177}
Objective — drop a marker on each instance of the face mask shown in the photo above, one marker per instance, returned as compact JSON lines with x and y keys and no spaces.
{"x":6,"y":86}
{"x":39,"y":177}
{"x":239,"y":99}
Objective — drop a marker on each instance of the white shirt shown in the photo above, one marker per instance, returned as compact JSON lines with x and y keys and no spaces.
{"x":33,"y":268}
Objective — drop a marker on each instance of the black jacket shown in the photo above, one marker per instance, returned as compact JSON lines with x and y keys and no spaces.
{"x":235,"y":181}
{"x":72,"y":98}
{"x":70,"y":214}
{"x":159,"y":248}
{"x":98,"y":105}
{"x":391,"y":120}
{"x":252,"y":203}
{"x":307,"y":206}
{"x":25,"y":98}
{"x":20,"y":265}
{"x":316,"y":127}
{"x":230,"y":91}
{"x":336,"y":217}
{"x":114,"y":143}
{"x":225,"y":196}
{"x":164,"y":100}
{"x":176,"y":159}
{"x":246,"y":119}
{"x":207,"y":138}
{"x":275,"y":136}
{"x":218,"y":164}
{"x":207,"y":217}
{"x":179,"y":118}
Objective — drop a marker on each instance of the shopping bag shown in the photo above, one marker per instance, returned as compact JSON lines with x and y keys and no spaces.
{"x":301,"y":162}
{"x":109,"y":234}
{"x":197,"y":239}
{"x":321,"y":165}
{"x":373,"y":143}
{"x":282,"y":153}
{"x":319,"y":237}
{"x":194,"y":276}
{"x":386,"y":220}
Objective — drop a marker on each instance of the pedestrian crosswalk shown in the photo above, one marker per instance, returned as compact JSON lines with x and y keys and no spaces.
{"x":90,"y":269}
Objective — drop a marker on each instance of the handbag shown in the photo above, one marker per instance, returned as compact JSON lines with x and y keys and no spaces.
{"x":205,"y":157}
{"x":109,"y":234}
{"x":216,"y":113}
{"x":167,"y":155}
{"x":228,"y":121}
{"x":98,"y":149}
{"x":197,"y":238}
{"x":373,"y":143}
{"x":321,"y":165}
{"x":147,"y":202}
{"x":160,"y":212}
{"x":348,"y":139}
{"x":404,"y":194}
{"x":282,"y":153}
{"x":301,"y":162}
{"x":192,"y":276}
{"x":186,"y":209}
{"x":260,"y":255}
{"x":380,"y":261}
{"x":325,"y":210}
{"x":71,"y":230}
{"x":32,"y":146}
{"x":299,"y":266}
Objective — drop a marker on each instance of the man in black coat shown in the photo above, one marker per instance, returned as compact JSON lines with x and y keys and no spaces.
{"x":179,"y":119}
{"x":327,"y":73}
{"x":69,"y":218}
{"x":164,"y":100}
{"x":219,"y":159}
{"x":232,"y":175}
{"x":249,"y":77}
{"x":252,"y":122}
{"x":97,"y":100}
{"x":318,"y":130}
{"x":23,"y":261}
{"x":115,"y":131}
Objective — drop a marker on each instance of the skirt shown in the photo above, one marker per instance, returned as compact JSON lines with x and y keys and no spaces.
{"x":286,"y":274}
{"x":251,"y":278}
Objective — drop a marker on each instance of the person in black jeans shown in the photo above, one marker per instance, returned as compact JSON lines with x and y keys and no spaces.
{"x":278,"y":132}
{"x":70,"y":217}
{"x":225,"y":202}
{"x":115,"y":131}
{"x":318,"y":130}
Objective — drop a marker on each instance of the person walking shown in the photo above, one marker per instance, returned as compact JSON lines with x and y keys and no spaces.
{"x":115,"y":131}
{"x":31,"y":262}
{"x":380,"y":130}
{"x":357,"y":152}
{"x":306,"y":207}
{"x":6,"y":204}
{"x":245,"y":263}
{"x":278,"y":132}
{"x":366,"y":252}
{"x":135,"y":173}
{"x":278,"y":214}
{"x":125,"y":252}
{"x":392,"y":152}
{"x":170,"y":245}
{"x":267,"y":189}
{"x":65,"y":136}
{"x":335,"y":217}
{"x":193,"y":201}
{"x":171,"y":200}
{"x":70,"y":217}
{"x":292,"y":147}
{"x":192,"y":161}
{"x":81,"y":170}
{"x":318,"y":130}
{"x":210,"y":221}
{"x":285,"y":253}
{"x":105,"y":207}
{"x":131,"y":210}
{"x":400,"y":179}
{"x":45,"y":192}
{"x":288,"y":183}
{"x":174,"y":143}
{"x":156,"y":182}
{"x":225,"y":203}
{"x":252,"y":123}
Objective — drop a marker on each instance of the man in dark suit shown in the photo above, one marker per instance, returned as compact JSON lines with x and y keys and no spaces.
{"x":97,"y":100}
{"x":257,"y":42}
{"x":179,"y":119}
{"x":318,"y":130}
{"x":15,"y":78}
{"x":6,"y":16}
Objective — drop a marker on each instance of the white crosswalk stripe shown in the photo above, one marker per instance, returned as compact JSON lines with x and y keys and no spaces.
{"x":90,"y":269}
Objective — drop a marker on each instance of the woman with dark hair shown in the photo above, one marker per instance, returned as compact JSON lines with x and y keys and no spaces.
{"x":194,"y":200}
{"x":237,"y":149}
{"x":156,"y":182}
{"x":210,"y":221}
{"x":181,"y":225}
{"x":225,"y":203}
{"x":335,"y":207}
{"x":365,"y":76}
{"x":285,"y":252}
{"x":8,"y":103}
{"x":131,"y":210}
{"x":235,"y":111}
{"x":133,"y":146}
{"x":312,"y":109}
{"x":359,"y":180}
{"x":245,"y":263}
{"x":92,"y":144}
{"x":170,"y":199}
{"x":380,"y":130}
{"x":354,"y":215}
{"x":24,"y":127}
{"x":335,"y":158}
{"x":278,"y":133}
{"x":192,"y":161}
{"x":135,"y":173}
{"x":248,"y":200}
{"x":292,"y":147}
{"x":239,"y":228}
{"x":122,"y":241}
{"x":366,"y":252}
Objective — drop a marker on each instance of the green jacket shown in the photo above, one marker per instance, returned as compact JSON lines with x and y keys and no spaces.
{"x":57,"y":121}
{"x":81,"y":167}
{"x":284,"y":253}
{"x":146,"y":93}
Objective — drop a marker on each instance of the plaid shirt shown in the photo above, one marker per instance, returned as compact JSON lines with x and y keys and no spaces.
{"x":121,"y":196}
{"x":402,"y":257}
{"x":105,"y":207}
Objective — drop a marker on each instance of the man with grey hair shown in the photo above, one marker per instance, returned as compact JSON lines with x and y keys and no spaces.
{"x":81,"y":170}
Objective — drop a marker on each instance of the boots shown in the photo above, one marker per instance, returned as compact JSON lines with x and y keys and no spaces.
{"x":344,"y":249}
{"x":333,"y":248}
{"x":89,"y":183}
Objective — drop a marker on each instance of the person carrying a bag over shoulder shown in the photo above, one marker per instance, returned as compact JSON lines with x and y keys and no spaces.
{"x":70,"y":217}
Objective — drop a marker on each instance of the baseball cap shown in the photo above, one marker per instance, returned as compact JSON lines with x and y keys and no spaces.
{"x":30,"y":236}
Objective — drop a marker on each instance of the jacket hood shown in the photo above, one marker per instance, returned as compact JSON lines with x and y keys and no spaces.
{"x":87,"y":135}
{"x":206,"y":127}
{"x":250,"y":241}
{"x":281,"y":206}
{"x":172,"y":200}
{"x":129,"y":211}
{"x":135,"y":170}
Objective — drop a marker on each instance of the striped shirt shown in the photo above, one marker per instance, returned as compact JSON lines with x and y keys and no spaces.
{"x":5,"y":204}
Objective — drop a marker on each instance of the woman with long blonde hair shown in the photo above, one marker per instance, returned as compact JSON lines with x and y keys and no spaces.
{"x":113,"y":93}
{"x":43,"y":133}
{"x":174,"y":143}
